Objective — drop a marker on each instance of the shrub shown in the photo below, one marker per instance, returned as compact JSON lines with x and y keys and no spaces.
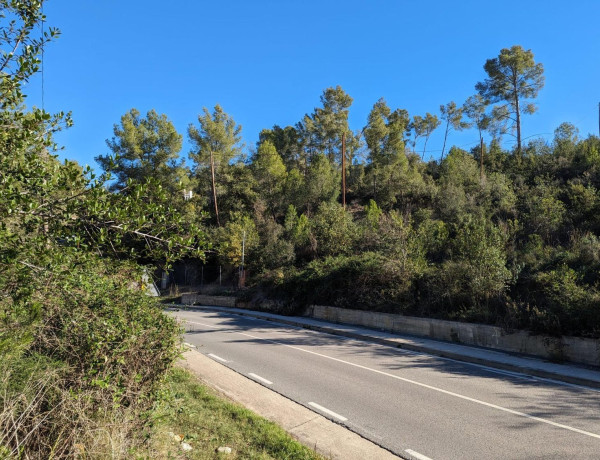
{"x":367,"y":281}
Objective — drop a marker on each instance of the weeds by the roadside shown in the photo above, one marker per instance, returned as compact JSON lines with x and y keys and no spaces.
{"x":190,"y":413}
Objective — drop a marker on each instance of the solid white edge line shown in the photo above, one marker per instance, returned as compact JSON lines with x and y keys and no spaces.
{"x":424,"y":385}
{"x":218,"y":358}
{"x":327,"y":411}
{"x":417,"y":455}
{"x":515,"y":374}
{"x":259,"y":378}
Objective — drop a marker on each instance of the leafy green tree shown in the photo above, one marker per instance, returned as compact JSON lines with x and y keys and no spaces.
{"x":544,"y":210}
{"x":270,"y":174}
{"x":20,"y":48}
{"x":143,"y":148}
{"x":384,"y":133}
{"x":372,"y":214}
{"x":274,"y":250}
{"x":513,"y":77}
{"x":74,"y":331}
{"x":238,"y":190}
{"x":321,"y":132}
{"x":215,"y":143}
{"x":287,"y":143}
{"x":475,"y":275}
{"x":424,"y":127}
{"x":333,"y":230}
{"x":475,"y":109}
{"x":565,"y":140}
{"x":297,"y":230}
{"x":459,"y":186}
{"x":321,"y":184}
{"x":236,"y":237}
{"x":453,"y":116}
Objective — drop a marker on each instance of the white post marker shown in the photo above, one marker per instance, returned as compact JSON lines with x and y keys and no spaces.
{"x":327,"y":411}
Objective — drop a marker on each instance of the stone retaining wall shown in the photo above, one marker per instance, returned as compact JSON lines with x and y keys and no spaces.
{"x":200,"y":299}
{"x":574,"y":349}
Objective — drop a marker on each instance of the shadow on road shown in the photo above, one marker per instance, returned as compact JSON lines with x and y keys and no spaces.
{"x":536,"y":397}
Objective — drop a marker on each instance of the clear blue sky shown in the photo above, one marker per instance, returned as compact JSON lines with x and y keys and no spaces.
{"x":267,"y":62}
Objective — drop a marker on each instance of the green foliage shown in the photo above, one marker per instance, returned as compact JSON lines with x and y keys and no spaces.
{"x":424,"y":127}
{"x":372,"y":214}
{"x":207,"y":422}
{"x":215,"y":143}
{"x":569,"y":301}
{"x":144,"y":148}
{"x":83,"y":347}
{"x":274,"y":249}
{"x":367,"y":281}
{"x":545,"y":212}
{"x":475,"y":273}
{"x":111,"y":339}
{"x":287,"y":143}
{"x":322,"y":131}
{"x":333,"y":230}
{"x":513,"y":77}
{"x":384,"y":133}
{"x":453,"y":116}
{"x":238,"y":235}
{"x":321,"y":184}
{"x":218,"y":134}
{"x":270,"y":174}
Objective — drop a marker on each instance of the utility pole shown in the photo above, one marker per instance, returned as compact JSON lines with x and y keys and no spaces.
{"x":598,"y":118}
{"x":344,"y":170}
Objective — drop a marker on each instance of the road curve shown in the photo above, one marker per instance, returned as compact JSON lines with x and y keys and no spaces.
{"x":415,"y":405}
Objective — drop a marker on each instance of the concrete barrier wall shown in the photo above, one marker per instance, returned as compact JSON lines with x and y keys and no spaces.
{"x":574,"y":349}
{"x":200,"y":299}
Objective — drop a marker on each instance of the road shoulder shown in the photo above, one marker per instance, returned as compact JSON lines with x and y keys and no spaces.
{"x":311,"y":429}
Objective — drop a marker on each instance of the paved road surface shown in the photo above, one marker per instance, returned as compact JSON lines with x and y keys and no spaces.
{"x":416,"y":405}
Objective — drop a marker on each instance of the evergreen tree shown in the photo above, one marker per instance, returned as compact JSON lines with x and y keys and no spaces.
{"x":143,"y":148}
{"x":215,"y":143}
{"x":513,"y":77}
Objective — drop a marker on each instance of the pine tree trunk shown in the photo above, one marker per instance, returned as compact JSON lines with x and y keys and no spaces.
{"x":518,"y":110}
{"x":445,"y":137}
{"x":481,"y":157}
{"x":518,"y":126}
{"x":214,"y":186}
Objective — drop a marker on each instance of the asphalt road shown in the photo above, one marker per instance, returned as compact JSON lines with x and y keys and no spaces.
{"x":416,"y":405}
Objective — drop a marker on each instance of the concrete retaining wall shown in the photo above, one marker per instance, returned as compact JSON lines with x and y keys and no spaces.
{"x":574,"y":349}
{"x":200,"y":299}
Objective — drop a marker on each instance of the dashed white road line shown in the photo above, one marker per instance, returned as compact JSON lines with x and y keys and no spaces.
{"x":218,"y":358}
{"x":422,"y":385}
{"x":416,"y":455}
{"x":327,"y":411}
{"x":260,"y":379}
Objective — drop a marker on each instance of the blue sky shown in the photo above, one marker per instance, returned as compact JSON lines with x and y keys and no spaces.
{"x":267,"y":62}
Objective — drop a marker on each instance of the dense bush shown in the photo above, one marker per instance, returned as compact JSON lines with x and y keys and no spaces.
{"x":365,"y":281}
{"x":82,"y":348}
{"x":89,"y":363}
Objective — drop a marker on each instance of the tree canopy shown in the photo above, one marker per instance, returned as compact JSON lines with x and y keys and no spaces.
{"x":513,"y":77}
